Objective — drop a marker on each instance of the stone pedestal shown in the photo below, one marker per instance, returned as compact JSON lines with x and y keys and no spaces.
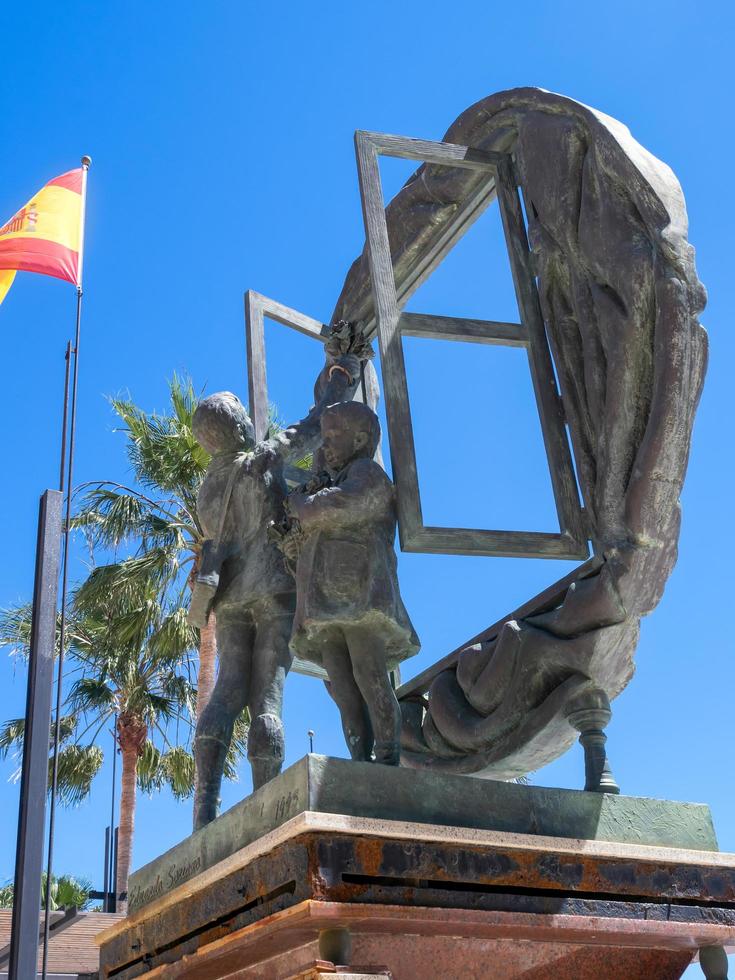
{"x":429,"y":876}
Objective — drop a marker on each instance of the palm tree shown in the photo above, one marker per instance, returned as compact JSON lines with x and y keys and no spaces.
{"x":66,"y":891}
{"x":126,"y":626}
{"x":157,"y":515}
{"x":130,"y":670}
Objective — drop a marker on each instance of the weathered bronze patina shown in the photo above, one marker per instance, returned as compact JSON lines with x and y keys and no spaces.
{"x":607,"y":286}
{"x":350,"y":617}
{"x":244,"y":577}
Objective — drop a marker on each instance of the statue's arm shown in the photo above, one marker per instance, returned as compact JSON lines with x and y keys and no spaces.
{"x":303,"y":437}
{"x":219,"y":525}
{"x":359,"y":499}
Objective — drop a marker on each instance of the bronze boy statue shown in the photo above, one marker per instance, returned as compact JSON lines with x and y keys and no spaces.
{"x":242,"y":576}
{"x":349,"y":614}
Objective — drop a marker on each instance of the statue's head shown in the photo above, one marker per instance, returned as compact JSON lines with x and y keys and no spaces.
{"x":349,"y":430}
{"x":221,"y":424}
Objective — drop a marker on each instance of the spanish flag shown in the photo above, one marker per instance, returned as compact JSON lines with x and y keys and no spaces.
{"x":46,"y":234}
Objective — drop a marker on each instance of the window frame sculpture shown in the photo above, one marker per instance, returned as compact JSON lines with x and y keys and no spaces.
{"x":609,"y":300}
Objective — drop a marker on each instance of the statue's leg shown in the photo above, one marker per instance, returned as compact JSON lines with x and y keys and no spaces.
{"x":343,"y":688}
{"x":229,"y":697}
{"x":367,"y":654}
{"x":271,"y":662}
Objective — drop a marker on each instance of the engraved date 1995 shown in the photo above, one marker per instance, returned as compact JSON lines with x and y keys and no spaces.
{"x":283,"y":807}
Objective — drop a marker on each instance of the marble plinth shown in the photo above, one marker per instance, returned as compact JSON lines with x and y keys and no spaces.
{"x":319,"y":784}
{"x":419,"y":899}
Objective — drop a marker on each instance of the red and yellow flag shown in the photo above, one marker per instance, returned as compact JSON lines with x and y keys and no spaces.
{"x":46,"y":234}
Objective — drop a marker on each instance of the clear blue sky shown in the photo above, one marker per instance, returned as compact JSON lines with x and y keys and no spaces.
{"x":221,"y":136}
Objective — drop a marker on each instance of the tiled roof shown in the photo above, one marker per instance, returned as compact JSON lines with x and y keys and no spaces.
{"x":73,"y":950}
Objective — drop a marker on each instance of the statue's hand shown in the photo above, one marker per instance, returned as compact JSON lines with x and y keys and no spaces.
{"x":348,"y":337}
{"x":349,"y":363}
{"x":287,"y":537}
{"x":317,"y":482}
{"x":276,"y":531}
{"x":262,"y":458}
{"x":291,"y":503}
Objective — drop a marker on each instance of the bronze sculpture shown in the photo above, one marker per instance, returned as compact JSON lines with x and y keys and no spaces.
{"x":609,"y":301}
{"x":244,"y":578}
{"x":349,"y":614}
{"x":606,"y":281}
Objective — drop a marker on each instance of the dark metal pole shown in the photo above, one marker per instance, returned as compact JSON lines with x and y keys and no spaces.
{"x":106,"y":885}
{"x":112,"y":873}
{"x":34,"y":782}
{"x":65,"y":417}
{"x":115,"y":895}
{"x":62,"y":636}
{"x":86,"y":161}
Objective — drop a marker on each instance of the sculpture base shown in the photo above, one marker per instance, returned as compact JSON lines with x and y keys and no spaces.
{"x":401,"y":943}
{"x":320,"y":784}
{"x":407,"y":898}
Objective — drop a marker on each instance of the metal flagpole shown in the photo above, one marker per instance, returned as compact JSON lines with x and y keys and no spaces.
{"x":86,"y":161}
{"x":112,"y":897}
{"x":65,"y":417}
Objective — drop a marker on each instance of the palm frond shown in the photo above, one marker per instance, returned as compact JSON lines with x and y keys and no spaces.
{"x":122,"y":586}
{"x":133,"y":627}
{"x":15,"y":629}
{"x":67,"y":728}
{"x":159,"y":564}
{"x":110,"y":516}
{"x":178,"y":768}
{"x":149,"y":774}
{"x":78,"y":765}
{"x":167,"y":533}
{"x":66,"y":891}
{"x":173,"y":768}
{"x":162,"y":448}
{"x":92,"y":695}
{"x":184,"y":401}
{"x":182,"y":693}
{"x":173,"y":638}
{"x":153,"y":706}
{"x":16,"y":624}
{"x":71,"y":891}
{"x":91,"y":600}
{"x":12,"y":734}
{"x":48,"y":895}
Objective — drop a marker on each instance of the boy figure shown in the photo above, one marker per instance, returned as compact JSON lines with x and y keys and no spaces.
{"x":349,"y":614}
{"x":242,"y":577}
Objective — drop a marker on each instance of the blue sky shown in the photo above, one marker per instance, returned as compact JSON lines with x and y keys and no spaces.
{"x":221,"y":136}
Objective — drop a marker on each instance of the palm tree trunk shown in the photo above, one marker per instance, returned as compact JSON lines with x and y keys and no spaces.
{"x":131,"y":735}
{"x":207,"y":663}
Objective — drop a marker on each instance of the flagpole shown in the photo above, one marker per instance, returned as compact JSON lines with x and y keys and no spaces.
{"x":65,"y":416}
{"x":86,"y":162}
